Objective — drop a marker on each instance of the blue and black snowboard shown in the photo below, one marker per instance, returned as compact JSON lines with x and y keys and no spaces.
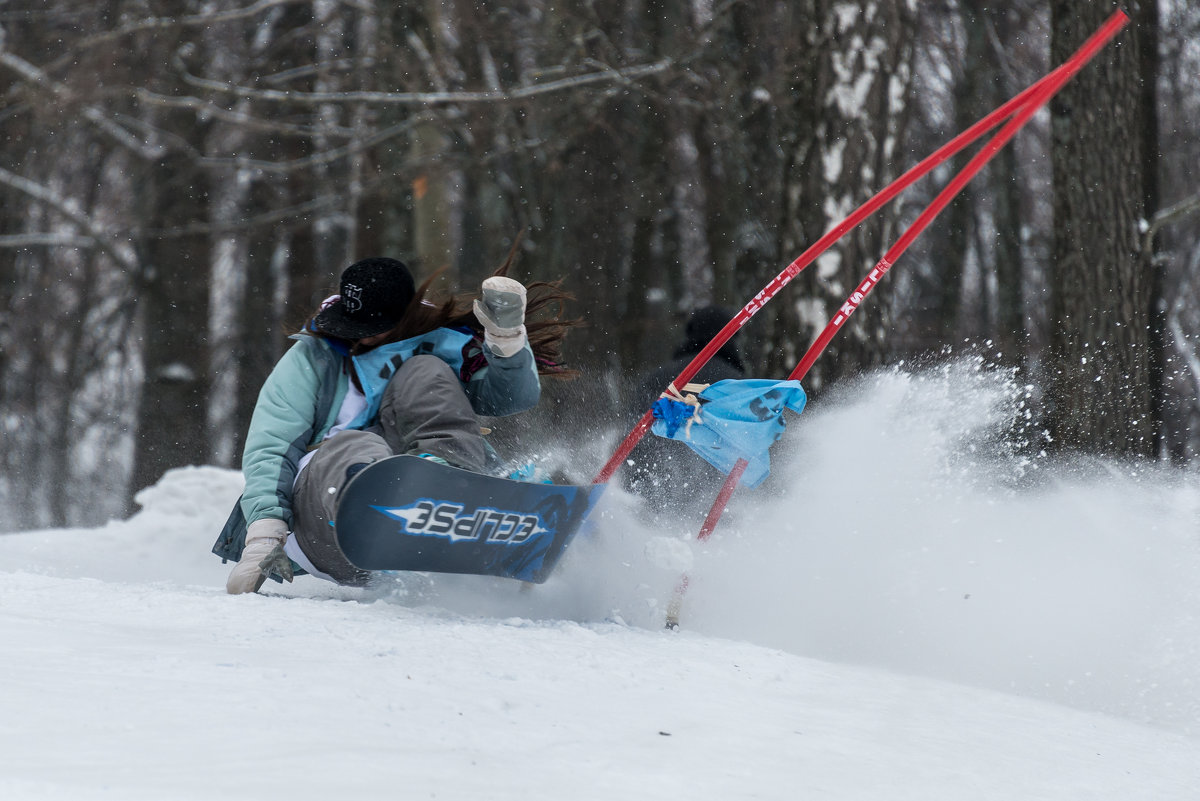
{"x":407,"y":513}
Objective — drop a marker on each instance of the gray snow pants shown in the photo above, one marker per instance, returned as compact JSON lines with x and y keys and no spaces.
{"x":424,"y":410}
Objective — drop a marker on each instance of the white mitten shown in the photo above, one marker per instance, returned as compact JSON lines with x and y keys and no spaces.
{"x":502,"y":312}
{"x":263,"y":551}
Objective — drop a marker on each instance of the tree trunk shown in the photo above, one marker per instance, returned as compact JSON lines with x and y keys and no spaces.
{"x":1100,"y":362}
{"x":1145,"y":22}
{"x":857,"y":103}
{"x":958,"y":222}
{"x":436,"y":197}
{"x":333,"y":228}
{"x":1011,"y":332}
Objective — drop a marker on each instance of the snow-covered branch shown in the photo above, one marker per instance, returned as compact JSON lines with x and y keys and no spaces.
{"x":1166,"y":216}
{"x":100,"y":118}
{"x":202,"y":20}
{"x":46,"y":240}
{"x":70,"y":211}
{"x":207,"y":109}
{"x":1185,"y":351}
{"x":614,"y":75}
{"x":276,"y":215}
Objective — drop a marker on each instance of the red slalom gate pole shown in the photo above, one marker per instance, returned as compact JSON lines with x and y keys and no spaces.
{"x":868,"y":208}
{"x":1032,"y":100}
{"x":1041,"y":93}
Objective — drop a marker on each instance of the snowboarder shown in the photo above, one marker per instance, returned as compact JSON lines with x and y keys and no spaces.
{"x":379,"y":370}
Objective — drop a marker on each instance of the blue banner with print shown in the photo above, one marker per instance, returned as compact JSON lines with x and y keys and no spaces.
{"x":735,"y":419}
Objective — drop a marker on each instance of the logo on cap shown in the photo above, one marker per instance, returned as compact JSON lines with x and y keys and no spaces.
{"x":352,"y":298}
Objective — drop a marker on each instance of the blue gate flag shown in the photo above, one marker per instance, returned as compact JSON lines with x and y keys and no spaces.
{"x":737,"y":419}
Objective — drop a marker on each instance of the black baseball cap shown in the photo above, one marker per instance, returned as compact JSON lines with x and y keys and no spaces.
{"x":374,"y":294}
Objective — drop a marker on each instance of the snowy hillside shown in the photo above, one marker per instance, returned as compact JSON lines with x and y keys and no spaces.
{"x":907,"y":612}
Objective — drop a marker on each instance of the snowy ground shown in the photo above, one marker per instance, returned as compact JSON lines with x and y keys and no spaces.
{"x":908,"y":612}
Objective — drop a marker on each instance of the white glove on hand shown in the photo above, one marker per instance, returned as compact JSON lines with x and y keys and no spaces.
{"x":502,"y":312}
{"x":263,"y":552}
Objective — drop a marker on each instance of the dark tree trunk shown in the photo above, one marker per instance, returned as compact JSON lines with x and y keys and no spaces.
{"x":954,"y":250}
{"x":1145,"y":19}
{"x":173,"y":314}
{"x":1101,"y":366}
{"x":1005,"y":182}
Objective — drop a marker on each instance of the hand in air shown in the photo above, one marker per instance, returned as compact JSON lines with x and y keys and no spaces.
{"x":501,"y":310}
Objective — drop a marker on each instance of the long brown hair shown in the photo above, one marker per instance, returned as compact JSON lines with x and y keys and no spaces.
{"x":545,"y":323}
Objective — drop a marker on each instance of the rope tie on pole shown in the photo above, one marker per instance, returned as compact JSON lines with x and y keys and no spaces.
{"x":689,"y":399}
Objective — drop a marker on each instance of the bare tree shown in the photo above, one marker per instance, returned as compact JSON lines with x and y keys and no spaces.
{"x":183,"y":181}
{"x":855,"y":108}
{"x":1172,"y":238}
{"x":1101,"y":365}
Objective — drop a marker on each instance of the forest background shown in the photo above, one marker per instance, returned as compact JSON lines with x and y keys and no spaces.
{"x":182,"y":182}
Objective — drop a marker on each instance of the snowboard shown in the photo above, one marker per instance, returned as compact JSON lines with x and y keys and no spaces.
{"x":408,"y":513}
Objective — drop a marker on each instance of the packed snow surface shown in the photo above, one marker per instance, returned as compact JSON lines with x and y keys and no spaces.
{"x":917,"y":606}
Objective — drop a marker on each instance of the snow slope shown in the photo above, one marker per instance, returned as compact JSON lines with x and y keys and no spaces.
{"x":909,"y":612}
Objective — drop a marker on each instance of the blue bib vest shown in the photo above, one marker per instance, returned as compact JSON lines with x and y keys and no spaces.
{"x":376,"y":367}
